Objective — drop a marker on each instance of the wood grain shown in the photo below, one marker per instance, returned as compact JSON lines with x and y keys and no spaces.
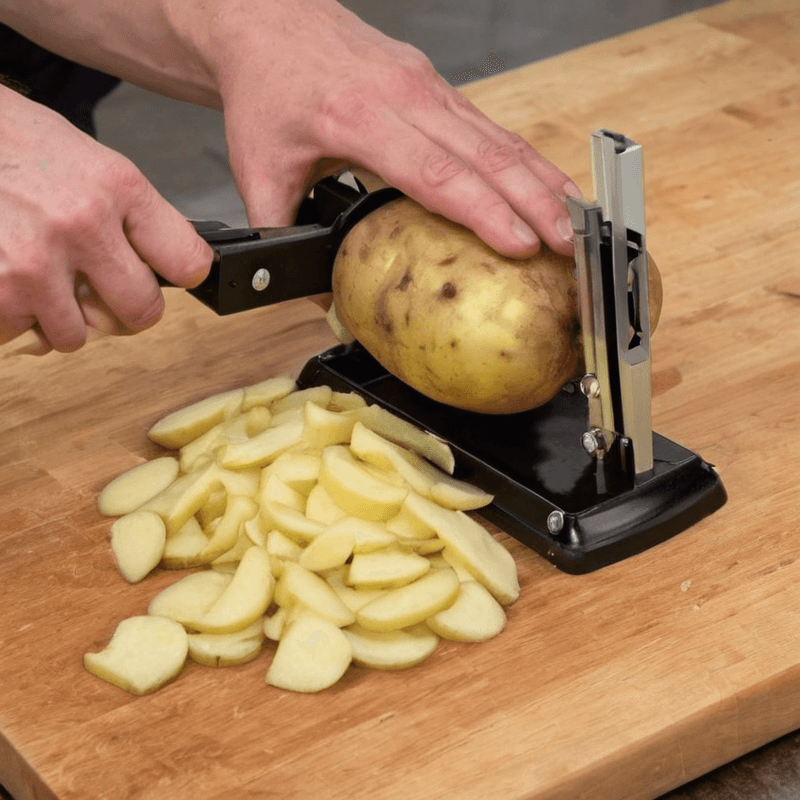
{"x":619,"y":684}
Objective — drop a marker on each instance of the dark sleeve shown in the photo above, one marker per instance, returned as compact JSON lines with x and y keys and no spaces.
{"x":68,"y":88}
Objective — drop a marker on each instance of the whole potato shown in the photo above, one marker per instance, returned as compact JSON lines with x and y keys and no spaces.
{"x":454,"y":319}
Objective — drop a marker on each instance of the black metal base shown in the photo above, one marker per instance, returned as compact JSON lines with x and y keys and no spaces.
{"x":549,"y":493}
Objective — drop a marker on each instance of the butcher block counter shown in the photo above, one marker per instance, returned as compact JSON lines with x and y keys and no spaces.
{"x":622,"y":683}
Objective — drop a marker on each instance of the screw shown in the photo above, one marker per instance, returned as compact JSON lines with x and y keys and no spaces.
{"x":594,"y":443}
{"x":555,"y":521}
{"x":261,"y":280}
{"x":590,"y":386}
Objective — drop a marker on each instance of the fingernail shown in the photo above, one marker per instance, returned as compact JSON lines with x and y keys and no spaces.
{"x":564,"y":229}
{"x":524,"y":233}
{"x":571,"y":190}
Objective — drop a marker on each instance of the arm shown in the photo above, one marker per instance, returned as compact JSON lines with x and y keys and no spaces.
{"x":306,"y":88}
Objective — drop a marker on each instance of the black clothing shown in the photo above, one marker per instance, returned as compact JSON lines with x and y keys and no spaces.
{"x":68,"y":88}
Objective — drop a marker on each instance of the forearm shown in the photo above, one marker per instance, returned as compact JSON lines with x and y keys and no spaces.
{"x":139,"y":42}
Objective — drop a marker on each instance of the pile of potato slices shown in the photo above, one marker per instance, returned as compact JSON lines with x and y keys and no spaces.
{"x":306,"y":517}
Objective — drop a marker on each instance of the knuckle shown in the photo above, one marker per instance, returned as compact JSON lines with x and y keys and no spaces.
{"x":439,"y":168}
{"x":495,"y":157}
{"x":347,"y":109}
{"x":146,"y":313}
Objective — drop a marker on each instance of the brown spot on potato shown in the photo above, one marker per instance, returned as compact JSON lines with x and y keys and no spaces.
{"x":448,"y":291}
{"x":489,"y":267}
{"x":396,"y":231}
{"x":448,"y":260}
{"x":405,"y":281}
{"x":454,"y":344}
{"x":384,"y":321}
{"x":363,"y":252}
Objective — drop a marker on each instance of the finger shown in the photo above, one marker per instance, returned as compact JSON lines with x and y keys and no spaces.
{"x":96,"y":312}
{"x":165,"y":240}
{"x":533,"y":187}
{"x":561,"y":185}
{"x":30,"y":343}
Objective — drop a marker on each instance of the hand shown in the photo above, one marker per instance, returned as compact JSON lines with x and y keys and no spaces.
{"x":308,"y":88}
{"x":81,"y":231}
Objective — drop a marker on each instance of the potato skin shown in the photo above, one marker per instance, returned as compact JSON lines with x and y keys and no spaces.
{"x":454,"y":319}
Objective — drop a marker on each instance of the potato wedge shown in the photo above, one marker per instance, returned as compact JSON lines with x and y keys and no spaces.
{"x":475,"y":616}
{"x":321,"y":508}
{"x":227,"y":649}
{"x":300,"y":470}
{"x":188,"y":599}
{"x":134,"y":488}
{"x":388,"y":568}
{"x":410,"y":604}
{"x":354,"y":489}
{"x":182,"y":549}
{"x":144,"y":653}
{"x":137,"y":541}
{"x":354,"y":599}
{"x":299,"y":585}
{"x":273,"y":489}
{"x":312,"y":655}
{"x":397,"y":430}
{"x":225,"y":535}
{"x":267,"y":392}
{"x":180,"y":427}
{"x":368,"y":535}
{"x":324,"y":427}
{"x":290,"y":521}
{"x":245,"y":599}
{"x":328,"y":550}
{"x":479,"y":552}
{"x":263,"y":448}
{"x":391,"y":649}
{"x":319,"y":395}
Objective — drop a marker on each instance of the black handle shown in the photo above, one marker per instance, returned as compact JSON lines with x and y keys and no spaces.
{"x":255,"y":267}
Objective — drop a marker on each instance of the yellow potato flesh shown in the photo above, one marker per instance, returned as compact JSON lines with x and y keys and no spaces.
{"x":454,"y":319}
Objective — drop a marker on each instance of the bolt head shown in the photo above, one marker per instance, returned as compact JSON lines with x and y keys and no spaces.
{"x":555,"y":521}
{"x":261,"y":280}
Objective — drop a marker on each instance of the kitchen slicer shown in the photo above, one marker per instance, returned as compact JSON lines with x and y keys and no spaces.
{"x":583,"y":479}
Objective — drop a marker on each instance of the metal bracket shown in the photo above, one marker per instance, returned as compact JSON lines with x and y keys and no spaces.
{"x":611,"y":258}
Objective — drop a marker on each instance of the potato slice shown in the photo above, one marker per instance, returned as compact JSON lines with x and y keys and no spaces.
{"x":275,"y":490}
{"x":328,"y":550}
{"x":290,"y":521}
{"x":184,"y":497}
{"x":321,"y":508}
{"x":144,"y":653}
{"x":324,"y":428}
{"x":391,"y":649}
{"x":354,"y":489}
{"x":243,"y":481}
{"x":408,"y":435}
{"x":227,"y":649}
{"x":409,"y":527}
{"x":410,"y":604}
{"x":226,"y":533}
{"x":368,"y":535}
{"x":475,"y":616}
{"x":300,"y":470}
{"x":134,"y":488}
{"x":479,"y":552}
{"x":181,"y":427}
{"x":188,"y":599}
{"x":213,"y":508}
{"x":354,"y":599}
{"x":320,"y":395}
{"x":279,"y":545}
{"x":137,"y":541}
{"x":388,"y":568}
{"x":423,"y":477}
{"x":448,"y":559}
{"x":236,"y":553}
{"x":312,"y":655}
{"x":263,"y":448}
{"x":267,"y":392}
{"x":274,"y":625}
{"x":245,"y":599}
{"x":298,"y":585}
{"x":346,"y":401}
{"x":182,"y":549}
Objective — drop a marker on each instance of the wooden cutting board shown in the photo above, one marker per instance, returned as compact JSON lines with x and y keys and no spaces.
{"x":619,"y":684}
